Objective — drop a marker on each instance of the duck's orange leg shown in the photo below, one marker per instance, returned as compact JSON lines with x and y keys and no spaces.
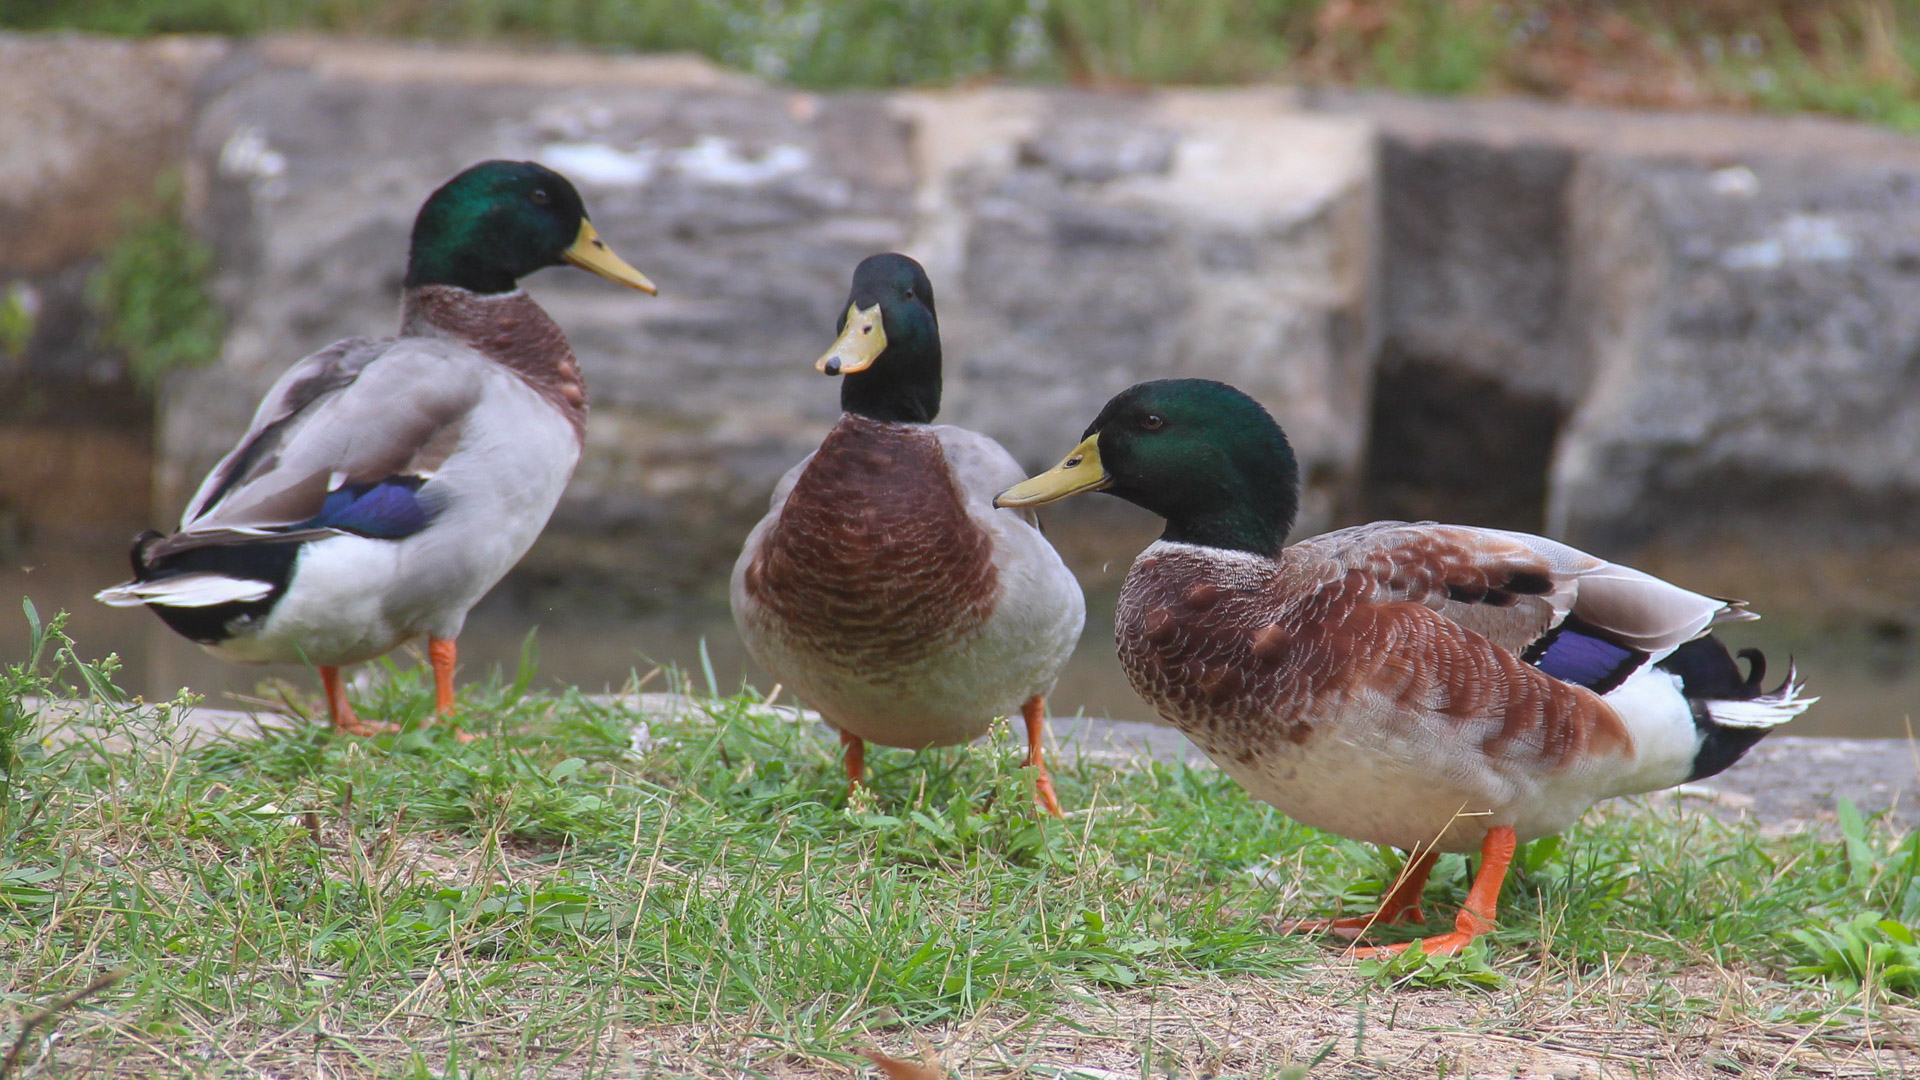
{"x":1401,"y":904}
{"x":443,"y":654}
{"x":856,"y":759}
{"x":1476,"y":915}
{"x":1035,"y":714}
{"x":340,"y":712}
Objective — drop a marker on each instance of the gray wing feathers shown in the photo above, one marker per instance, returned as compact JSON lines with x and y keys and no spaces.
{"x":321,"y":373}
{"x":356,"y":412}
{"x":1646,"y":612}
{"x":785,"y":487}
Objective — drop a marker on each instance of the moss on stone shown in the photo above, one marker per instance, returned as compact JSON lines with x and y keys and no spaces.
{"x":151,"y":292}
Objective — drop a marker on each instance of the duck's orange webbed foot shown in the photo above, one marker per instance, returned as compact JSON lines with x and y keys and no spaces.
{"x":1400,"y":907}
{"x":1477,"y":914}
{"x":340,"y":714}
{"x":443,"y":654}
{"x":1035,"y":714}
{"x":1350,"y":927}
{"x":366,"y":729}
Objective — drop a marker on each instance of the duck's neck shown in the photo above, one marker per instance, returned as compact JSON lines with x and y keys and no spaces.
{"x":1248,"y":508}
{"x":508,"y":328}
{"x":901,"y":389}
{"x":1246,"y":529}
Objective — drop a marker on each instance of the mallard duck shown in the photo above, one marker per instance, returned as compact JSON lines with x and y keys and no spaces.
{"x":1429,"y":687}
{"x":882,"y":586}
{"x":386,"y":484}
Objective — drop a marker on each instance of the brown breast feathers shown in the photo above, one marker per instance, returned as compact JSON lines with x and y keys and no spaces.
{"x":874,"y":563}
{"x":1274,"y":652}
{"x":510,"y":329}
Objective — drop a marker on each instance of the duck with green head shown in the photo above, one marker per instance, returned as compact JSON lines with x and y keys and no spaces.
{"x":386,"y":484}
{"x":1429,"y":687}
{"x":882,"y":586}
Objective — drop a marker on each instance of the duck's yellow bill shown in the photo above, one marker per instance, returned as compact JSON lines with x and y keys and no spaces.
{"x":859,"y":345}
{"x":1080,"y":472}
{"x":589,"y":252}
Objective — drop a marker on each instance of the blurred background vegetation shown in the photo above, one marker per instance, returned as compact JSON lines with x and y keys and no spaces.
{"x":151,"y":291}
{"x":1856,"y":58}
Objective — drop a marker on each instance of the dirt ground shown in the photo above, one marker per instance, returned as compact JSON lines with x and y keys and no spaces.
{"x":1331,"y":1023}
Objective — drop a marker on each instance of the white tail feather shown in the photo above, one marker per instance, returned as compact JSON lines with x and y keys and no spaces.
{"x":1733,"y":611}
{"x":187,"y":590}
{"x":1767,"y":710}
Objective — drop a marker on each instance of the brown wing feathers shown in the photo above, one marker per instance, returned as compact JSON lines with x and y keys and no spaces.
{"x":1261,"y":660}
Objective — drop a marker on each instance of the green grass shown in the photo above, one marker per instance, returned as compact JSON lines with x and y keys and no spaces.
{"x":557,"y":899}
{"x":1851,"y":57}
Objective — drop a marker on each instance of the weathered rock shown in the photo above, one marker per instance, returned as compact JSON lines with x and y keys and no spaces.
{"x":1755,"y":335}
{"x":1095,"y":241}
{"x":1685,"y":339}
{"x":1682,"y":339}
{"x":1477,"y":365}
{"x":86,"y":124}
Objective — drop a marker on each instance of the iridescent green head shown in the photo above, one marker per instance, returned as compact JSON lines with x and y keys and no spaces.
{"x":1199,"y":453}
{"x":499,"y":221}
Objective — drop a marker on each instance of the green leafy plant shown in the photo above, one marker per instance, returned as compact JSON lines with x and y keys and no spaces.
{"x":50,"y":690}
{"x":1436,"y":47}
{"x":1415,"y":967}
{"x":1874,"y":948}
{"x":1859,"y":58}
{"x":22,"y":686}
{"x":19,"y":311}
{"x":1866,"y":951}
{"x":151,"y":295}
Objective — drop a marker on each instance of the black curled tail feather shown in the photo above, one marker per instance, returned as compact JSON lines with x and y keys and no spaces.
{"x":1716,"y":689}
{"x":138,"y":556}
{"x":1708,"y":672}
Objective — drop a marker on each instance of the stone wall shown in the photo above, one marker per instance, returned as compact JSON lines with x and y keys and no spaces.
{"x":86,"y":127}
{"x":1077,"y":244}
{"x":1684,"y":338}
{"x":1702,"y":350}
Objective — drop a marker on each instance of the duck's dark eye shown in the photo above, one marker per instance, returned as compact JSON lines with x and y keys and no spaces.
{"x":910,"y":294}
{"x":1152,"y":421}
{"x":539,"y":196}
